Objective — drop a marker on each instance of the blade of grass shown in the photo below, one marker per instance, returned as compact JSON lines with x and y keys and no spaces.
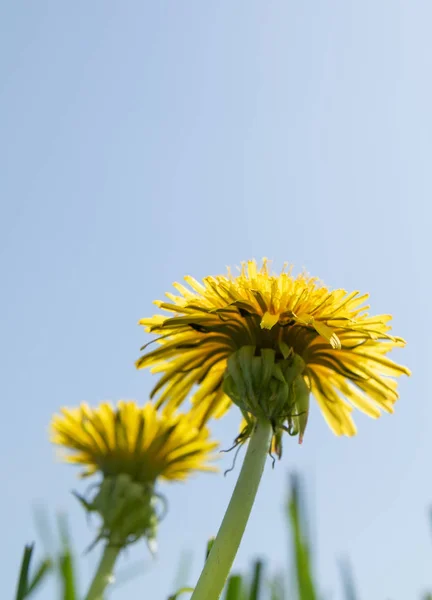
{"x":22,"y":587}
{"x":234,"y":590}
{"x":67,"y":576}
{"x":43,"y":570}
{"x":277,"y":588}
{"x":183,"y":590}
{"x":306,"y":587}
{"x":183,"y":571}
{"x":66,"y":565}
{"x":25,"y":588}
{"x":347,"y":577}
{"x":209,"y":546}
{"x":256,"y":580}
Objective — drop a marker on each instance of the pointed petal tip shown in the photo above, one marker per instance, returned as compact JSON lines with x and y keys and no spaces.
{"x":268,"y":321}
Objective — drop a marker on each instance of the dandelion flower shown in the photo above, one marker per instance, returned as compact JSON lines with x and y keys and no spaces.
{"x":132,"y":440}
{"x":131,"y":446}
{"x":342,"y":349}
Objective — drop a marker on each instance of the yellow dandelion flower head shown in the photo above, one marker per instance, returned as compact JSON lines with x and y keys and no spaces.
{"x":344,"y":349}
{"x":137,"y":441}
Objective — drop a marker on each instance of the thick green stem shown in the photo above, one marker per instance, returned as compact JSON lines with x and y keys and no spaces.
{"x":225,"y":546}
{"x":104,"y":573}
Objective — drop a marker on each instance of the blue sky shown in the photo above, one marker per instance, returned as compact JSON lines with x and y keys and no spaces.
{"x":142,"y":141}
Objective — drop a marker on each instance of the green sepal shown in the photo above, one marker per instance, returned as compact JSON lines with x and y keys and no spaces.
{"x":127,"y":510}
{"x":263,"y":386}
{"x":302,"y":396}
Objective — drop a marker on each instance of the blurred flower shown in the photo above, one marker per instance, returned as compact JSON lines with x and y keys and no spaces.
{"x":131,"y":446}
{"x":132,"y":440}
{"x":342,"y":349}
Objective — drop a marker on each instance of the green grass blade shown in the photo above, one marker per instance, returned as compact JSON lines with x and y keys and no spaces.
{"x":256,"y":580}
{"x":22,"y":587}
{"x":209,"y":546}
{"x":184,"y":590}
{"x":43,"y":570}
{"x":235,"y":588}
{"x":67,"y":576}
{"x":277,"y":588}
{"x":306,"y":587}
{"x":66,"y":565}
{"x":348,"y":584}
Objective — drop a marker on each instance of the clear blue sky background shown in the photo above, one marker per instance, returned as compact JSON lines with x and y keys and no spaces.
{"x":141,"y":141}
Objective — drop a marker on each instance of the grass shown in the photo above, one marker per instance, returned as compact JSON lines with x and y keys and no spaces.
{"x":253,"y":585}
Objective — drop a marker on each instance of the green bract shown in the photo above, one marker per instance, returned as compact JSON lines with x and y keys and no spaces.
{"x":127,"y":509}
{"x":266,"y":386}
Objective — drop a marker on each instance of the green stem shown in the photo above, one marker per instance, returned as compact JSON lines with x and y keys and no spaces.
{"x":103,"y":574}
{"x":225,"y":546}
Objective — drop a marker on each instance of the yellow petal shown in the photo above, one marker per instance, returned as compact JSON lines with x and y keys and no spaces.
{"x":269,"y":321}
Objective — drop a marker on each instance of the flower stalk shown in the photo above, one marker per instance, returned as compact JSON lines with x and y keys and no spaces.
{"x":104,"y":573}
{"x":227,"y":542}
